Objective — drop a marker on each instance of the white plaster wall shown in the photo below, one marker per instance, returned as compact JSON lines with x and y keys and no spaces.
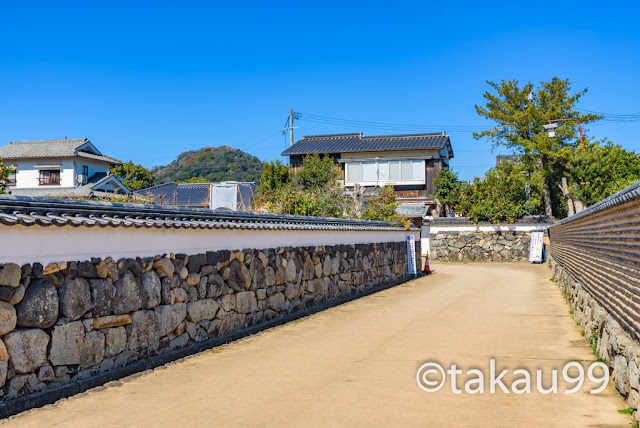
{"x":28,"y":174}
{"x":486,"y":228}
{"x":30,"y":244}
{"x":424,"y":240}
{"x":94,"y":167}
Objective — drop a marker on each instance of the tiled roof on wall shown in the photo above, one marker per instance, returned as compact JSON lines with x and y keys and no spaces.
{"x":17,"y":210}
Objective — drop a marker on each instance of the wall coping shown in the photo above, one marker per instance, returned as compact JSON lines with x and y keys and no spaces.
{"x":465,"y":221}
{"x":29,"y":211}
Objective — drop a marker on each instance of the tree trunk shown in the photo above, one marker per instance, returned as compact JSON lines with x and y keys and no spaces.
{"x":546,"y":190}
{"x":547,"y":199}
{"x":580,"y":205}
{"x":564,"y":188}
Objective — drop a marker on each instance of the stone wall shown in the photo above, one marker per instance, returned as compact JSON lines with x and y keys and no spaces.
{"x":480,"y":246}
{"x":69,"y":321}
{"x":609,"y":341}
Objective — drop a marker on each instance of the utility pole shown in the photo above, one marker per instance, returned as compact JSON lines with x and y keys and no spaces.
{"x":290,"y":127}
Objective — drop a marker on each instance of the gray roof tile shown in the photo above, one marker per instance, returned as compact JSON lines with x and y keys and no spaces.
{"x":16,"y":210}
{"x":51,"y":149}
{"x":344,"y":143}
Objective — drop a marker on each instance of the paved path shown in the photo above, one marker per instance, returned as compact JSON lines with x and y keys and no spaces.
{"x":355,"y":364}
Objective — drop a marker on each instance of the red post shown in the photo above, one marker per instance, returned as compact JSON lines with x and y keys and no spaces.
{"x":579,"y":124}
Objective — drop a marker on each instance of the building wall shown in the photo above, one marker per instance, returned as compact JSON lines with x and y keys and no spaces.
{"x":94,"y":167}
{"x":28,"y":175}
{"x":73,"y":320}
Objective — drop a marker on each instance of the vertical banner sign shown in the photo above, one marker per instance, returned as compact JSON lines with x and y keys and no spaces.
{"x":411,"y":254}
{"x":535,"y":250}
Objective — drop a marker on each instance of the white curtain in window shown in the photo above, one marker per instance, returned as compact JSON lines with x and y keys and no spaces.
{"x":354,"y":171}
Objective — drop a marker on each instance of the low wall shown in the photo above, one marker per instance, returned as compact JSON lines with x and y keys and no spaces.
{"x":458,"y":240}
{"x":609,"y":341}
{"x":74,"y":319}
{"x":595,"y":258}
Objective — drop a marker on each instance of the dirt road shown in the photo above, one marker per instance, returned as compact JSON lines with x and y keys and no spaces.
{"x":355,"y":364}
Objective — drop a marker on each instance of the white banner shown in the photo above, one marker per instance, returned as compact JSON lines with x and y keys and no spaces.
{"x":536,"y":247}
{"x":411,"y":254}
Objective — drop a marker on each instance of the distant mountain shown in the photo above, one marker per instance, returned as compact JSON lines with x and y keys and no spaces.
{"x":211,"y":164}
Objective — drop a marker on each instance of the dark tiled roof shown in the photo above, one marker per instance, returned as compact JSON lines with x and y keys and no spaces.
{"x":342,"y":143}
{"x":185,"y":194}
{"x":412,"y":209}
{"x":51,"y":149}
{"x":16,"y":210}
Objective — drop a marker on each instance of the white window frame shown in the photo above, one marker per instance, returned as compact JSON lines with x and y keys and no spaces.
{"x":382,"y":168}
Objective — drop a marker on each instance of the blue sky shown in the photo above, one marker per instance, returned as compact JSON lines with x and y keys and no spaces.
{"x":147,"y":81}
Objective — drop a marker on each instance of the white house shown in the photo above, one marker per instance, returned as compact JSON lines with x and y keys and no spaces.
{"x":72,"y":167}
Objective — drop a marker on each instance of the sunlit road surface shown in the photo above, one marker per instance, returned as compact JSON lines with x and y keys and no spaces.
{"x":355,"y":364}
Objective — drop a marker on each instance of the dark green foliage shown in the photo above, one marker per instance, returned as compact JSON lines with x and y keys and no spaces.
{"x":313,"y":191}
{"x":5,"y":172}
{"x":210,"y":164}
{"x":498,"y":197}
{"x":518,"y":125}
{"x":381,"y":206}
{"x":601,"y":171}
{"x":275,"y":175}
{"x":317,"y":172}
{"x":133,"y":176}
{"x":447,"y":188}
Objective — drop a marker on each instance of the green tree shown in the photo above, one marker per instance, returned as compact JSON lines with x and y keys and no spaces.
{"x":317,"y":172}
{"x":275,"y":176}
{"x":195,"y":180}
{"x":498,"y":197}
{"x":381,"y":206}
{"x":135,"y":177}
{"x":448,"y":188}
{"x":5,"y":172}
{"x":519,"y":126}
{"x":601,"y":171}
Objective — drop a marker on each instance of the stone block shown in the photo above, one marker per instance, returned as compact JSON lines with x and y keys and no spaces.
{"x":39,"y":307}
{"x":246,"y":302}
{"x":164,"y":265}
{"x":204,"y":309}
{"x":151,"y":289}
{"x":111,"y":321}
{"x":27,"y":349}
{"x":92,"y":350}
{"x":10,"y":275}
{"x":169,"y":317}
{"x":128,"y":295}
{"x":144,"y":339}
{"x":22,"y":385}
{"x":102,"y":294}
{"x":277,"y":302}
{"x":45,"y":374}
{"x":115,"y":341}
{"x":74,"y":297}
{"x":8,"y":318}
{"x":66,"y":344}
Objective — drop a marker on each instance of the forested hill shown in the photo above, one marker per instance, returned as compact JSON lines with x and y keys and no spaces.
{"x":211,"y":164}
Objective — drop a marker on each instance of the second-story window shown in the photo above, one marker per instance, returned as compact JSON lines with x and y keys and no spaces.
{"x":85,"y":171}
{"x":49,"y":177}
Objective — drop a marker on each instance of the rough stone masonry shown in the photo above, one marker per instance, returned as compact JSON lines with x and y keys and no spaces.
{"x":498,"y":246}
{"x":72,"y":320}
